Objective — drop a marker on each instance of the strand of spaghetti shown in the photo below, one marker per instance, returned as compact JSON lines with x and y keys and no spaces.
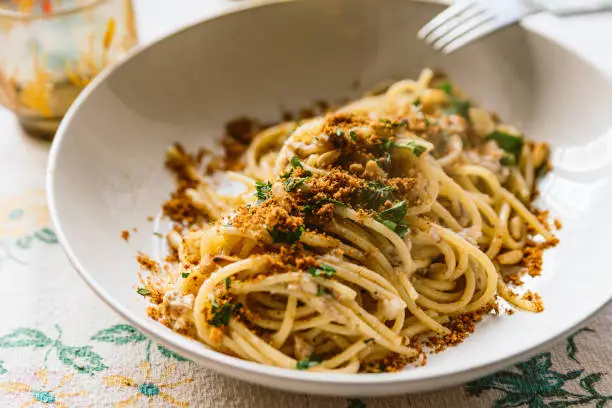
{"x":481,"y":258}
{"x":278,"y":358}
{"x":249,"y":350}
{"x":462,"y":196}
{"x":400,"y":246}
{"x":206,"y":289}
{"x":513,"y":298}
{"x":279,"y":338}
{"x":526,"y":214}
{"x":345,"y":355}
{"x":429,"y":292}
{"x":455,"y":307}
{"x":445,"y":216}
{"x":484,"y":174}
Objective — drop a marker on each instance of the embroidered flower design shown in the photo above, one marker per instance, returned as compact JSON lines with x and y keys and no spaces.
{"x":40,"y":395}
{"x":153,"y":390}
{"x":23,"y":214}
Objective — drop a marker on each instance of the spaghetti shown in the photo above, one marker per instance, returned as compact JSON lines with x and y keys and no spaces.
{"x":359,"y":235}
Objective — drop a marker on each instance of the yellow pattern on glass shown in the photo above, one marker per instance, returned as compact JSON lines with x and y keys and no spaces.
{"x":36,"y":93}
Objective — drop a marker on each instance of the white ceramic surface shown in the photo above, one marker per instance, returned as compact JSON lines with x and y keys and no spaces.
{"x":106,"y":168}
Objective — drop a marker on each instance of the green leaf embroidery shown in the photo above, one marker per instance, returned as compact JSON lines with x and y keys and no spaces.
{"x":570,"y":346}
{"x":24,"y":242}
{"x":46,"y":235}
{"x":170,"y":354}
{"x":356,"y":403}
{"x":82,"y":359}
{"x":3,"y":369}
{"x":119,"y":334}
{"x":25,"y":337}
{"x":589,"y":381}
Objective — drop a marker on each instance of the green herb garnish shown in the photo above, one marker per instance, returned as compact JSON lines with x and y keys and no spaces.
{"x":291,"y":183}
{"x":458,"y":107}
{"x":221,"y":314}
{"x":375,"y":194}
{"x":296,"y":163}
{"x":510,"y":143}
{"x":143,"y":292}
{"x":263,"y":191}
{"x":309,"y":363}
{"x":507,"y":160}
{"x":416,"y":148}
{"x":542,"y":170}
{"x":394,"y":125}
{"x":321,"y":290}
{"x":393,"y":218}
{"x":353,"y":135}
{"x":158,"y":234}
{"x":323,"y":271}
{"x":185,"y":275}
{"x":228,"y":283}
{"x":288,"y":237}
{"x":416,"y":102}
{"x":447,"y":87}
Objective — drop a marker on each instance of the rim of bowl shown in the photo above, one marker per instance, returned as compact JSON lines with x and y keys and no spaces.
{"x":196,"y":350}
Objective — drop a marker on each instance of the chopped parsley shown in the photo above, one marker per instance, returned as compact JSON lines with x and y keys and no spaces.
{"x":221,"y":314}
{"x":447,"y":87}
{"x":228,"y":283}
{"x":416,"y":102}
{"x":158,"y":234}
{"x":296,"y":163}
{"x":288,"y":237}
{"x":375,"y":194}
{"x":309,"y":363}
{"x":416,"y":148}
{"x":323,"y":271}
{"x":291,"y":183}
{"x":143,"y":292}
{"x":185,"y":275}
{"x":321,"y":291}
{"x":458,"y":107}
{"x":263,"y":191}
{"x":384,"y":162}
{"x":507,"y":160}
{"x":542,"y":170}
{"x":394,"y":125}
{"x":339,"y":132}
{"x":393,"y":218}
{"x":353,"y":135}
{"x":510,"y":143}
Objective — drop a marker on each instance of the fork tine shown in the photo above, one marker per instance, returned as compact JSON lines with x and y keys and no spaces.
{"x":482,"y":31}
{"x":463,"y":30}
{"x":453,"y":23}
{"x":444,"y":16}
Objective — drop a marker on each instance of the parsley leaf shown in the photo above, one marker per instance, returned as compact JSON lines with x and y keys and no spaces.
{"x":375,"y":194}
{"x":228,"y":283}
{"x":507,"y":160}
{"x":447,"y":87}
{"x":321,"y":290}
{"x":458,"y":107}
{"x":143,"y":292}
{"x":221,"y":314}
{"x":416,"y":102}
{"x":393,"y":218}
{"x":288,"y":237}
{"x":296,"y":163}
{"x":510,"y":143}
{"x":185,"y":275}
{"x":324,"y":271}
{"x":353,"y":135}
{"x":309,"y":363}
{"x":416,"y":148}
{"x":263,"y":191}
{"x":542,"y":170}
{"x":394,"y":125}
{"x":291,"y":183}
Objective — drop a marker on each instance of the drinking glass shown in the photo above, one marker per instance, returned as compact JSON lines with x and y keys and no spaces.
{"x":51,"y":49}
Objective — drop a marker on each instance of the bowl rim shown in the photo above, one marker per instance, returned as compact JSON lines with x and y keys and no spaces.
{"x":199,"y":352}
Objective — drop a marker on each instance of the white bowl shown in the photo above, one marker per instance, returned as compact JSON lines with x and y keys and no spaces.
{"x":106,"y":169}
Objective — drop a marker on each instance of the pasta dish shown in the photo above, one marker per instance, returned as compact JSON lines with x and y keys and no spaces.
{"x":355,"y":240}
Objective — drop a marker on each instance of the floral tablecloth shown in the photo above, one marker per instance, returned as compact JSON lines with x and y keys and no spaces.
{"x":61,"y":346}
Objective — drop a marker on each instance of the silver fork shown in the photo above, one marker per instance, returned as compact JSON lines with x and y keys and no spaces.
{"x":468,"y":20}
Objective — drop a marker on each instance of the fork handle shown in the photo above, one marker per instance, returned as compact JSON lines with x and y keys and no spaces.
{"x":566,"y":7}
